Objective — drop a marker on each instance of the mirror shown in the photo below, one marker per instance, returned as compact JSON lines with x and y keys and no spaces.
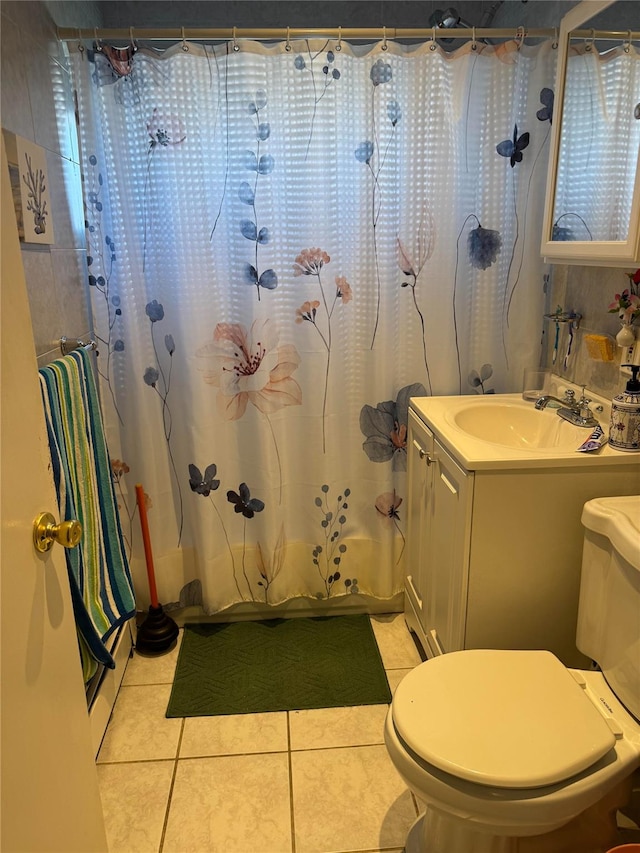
{"x":592,"y":209}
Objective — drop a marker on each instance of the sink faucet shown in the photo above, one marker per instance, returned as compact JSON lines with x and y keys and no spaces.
{"x":543,"y":402}
{"x":568,"y":400}
{"x":577,"y":412}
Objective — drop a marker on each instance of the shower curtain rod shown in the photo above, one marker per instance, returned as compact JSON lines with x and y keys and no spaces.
{"x":336,"y":33}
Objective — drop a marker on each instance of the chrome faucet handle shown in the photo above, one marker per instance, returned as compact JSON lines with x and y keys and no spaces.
{"x":585,"y":411}
{"x":569,"y":396}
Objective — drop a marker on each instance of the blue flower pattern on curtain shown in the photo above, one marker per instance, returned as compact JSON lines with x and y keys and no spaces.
{"x":211,"y":171}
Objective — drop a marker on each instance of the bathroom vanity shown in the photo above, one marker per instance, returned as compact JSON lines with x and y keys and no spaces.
{"x":494,"y":540}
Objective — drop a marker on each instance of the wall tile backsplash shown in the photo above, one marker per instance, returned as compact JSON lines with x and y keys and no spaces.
{"x":588,"y":291}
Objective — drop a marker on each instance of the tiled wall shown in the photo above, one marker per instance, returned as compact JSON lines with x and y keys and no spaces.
{"x":588,"y":291}
{"x":37,"y":104}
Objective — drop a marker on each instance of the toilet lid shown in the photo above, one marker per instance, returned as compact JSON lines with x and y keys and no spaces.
{"x":507,"y":719}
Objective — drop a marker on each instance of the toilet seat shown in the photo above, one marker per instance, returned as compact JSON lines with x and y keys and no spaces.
{"x":500,"y":718}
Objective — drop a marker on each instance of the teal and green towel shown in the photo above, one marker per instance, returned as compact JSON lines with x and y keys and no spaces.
{"x":99,"y":577}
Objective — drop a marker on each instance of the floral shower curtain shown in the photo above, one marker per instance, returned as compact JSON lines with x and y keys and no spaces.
{"x":285,"y":244}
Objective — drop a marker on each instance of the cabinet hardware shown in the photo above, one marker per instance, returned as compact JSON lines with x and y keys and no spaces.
{"x":423,"y":454}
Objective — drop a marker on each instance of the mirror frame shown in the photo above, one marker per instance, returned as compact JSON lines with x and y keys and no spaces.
{"x":588,"y":253}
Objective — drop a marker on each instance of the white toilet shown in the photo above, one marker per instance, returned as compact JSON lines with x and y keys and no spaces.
{"x":501,"y":745}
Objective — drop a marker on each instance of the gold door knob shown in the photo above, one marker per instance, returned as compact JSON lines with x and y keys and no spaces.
{"x":46,"y":532}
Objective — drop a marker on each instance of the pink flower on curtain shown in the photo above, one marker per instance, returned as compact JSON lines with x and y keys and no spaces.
{"x":343,"y":289}
{"x":165,"y":130}
{"x":310,"y":262}
{"x":252,"y":368}
{"x":307,"y":311}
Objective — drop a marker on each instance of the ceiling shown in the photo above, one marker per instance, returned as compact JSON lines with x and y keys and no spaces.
{"x":622,"y":15}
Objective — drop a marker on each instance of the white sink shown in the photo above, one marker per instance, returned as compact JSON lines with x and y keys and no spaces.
{"x":504,"y":431}
{"x":518,"y":425}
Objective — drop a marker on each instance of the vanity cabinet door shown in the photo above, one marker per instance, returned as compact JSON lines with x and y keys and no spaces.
{"x":438,"y":536}
{"x":419,"y":473}
{"x":447,"y":557}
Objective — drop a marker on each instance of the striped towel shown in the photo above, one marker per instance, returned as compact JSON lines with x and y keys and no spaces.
{"x":101,"y":588}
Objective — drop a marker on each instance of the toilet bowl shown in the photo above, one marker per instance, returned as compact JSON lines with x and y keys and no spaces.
{"x":520,"y":781}
{"x":510,"y":744}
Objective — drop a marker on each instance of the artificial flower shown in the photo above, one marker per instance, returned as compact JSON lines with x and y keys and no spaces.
{"x":626,"y":305}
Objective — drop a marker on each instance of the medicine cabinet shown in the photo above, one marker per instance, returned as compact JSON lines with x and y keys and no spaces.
{"x":592,"y":207}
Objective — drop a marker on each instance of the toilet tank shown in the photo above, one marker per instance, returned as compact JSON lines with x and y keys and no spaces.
{"x":609,"y":609}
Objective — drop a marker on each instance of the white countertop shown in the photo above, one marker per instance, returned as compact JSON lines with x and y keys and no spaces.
{"x":473,"y":453}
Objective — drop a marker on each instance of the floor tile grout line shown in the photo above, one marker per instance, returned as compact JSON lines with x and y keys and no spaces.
{"x":171,"y":787}
{"x":396,"y":665}
{"x":292,"y":821}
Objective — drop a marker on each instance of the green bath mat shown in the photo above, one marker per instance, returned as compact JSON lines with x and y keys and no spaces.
{"x":277,"y":665}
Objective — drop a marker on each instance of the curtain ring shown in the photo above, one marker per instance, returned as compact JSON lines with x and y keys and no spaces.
{"x":520,"y":36}
{"x":339,"y":45}
{"x":185,"y":46}
{"x":588,"y":43}
{"x":554,"y":43}
{"x":474,"y":45}
{"x":385,"y":46}
{"x":236,"y":46}
{"x":81,"y":47}
{"x":627,"y":45}
{"x":97,"y":40}
{"x":433,"y":45}
{"x":134,"y":46}
{"x":287,"y":46}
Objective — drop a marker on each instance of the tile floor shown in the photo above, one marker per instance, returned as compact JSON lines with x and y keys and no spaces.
{"x":287,"y":782}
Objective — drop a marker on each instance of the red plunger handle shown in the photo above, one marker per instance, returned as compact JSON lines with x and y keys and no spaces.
{"x":144,"y":524}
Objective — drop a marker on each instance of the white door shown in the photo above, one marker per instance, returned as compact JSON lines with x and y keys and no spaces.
{"x":50,"y":800}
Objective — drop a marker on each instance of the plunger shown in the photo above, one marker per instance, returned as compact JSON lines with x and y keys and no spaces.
{"x":158,"y":632}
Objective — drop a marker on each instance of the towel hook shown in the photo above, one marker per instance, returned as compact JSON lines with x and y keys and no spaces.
{"x":236,"y":46}
{"x":339,"y":45}
{"x":385,"y":46}
{"x":588,"y":42}
{"x":433,"y":45}
{"x":474,"y":45}
{"x":287,"y":46}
